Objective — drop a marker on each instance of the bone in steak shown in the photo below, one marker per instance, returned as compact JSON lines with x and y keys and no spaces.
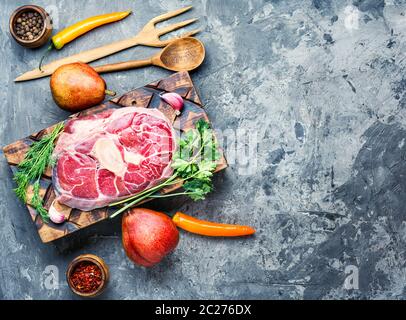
{"x":111,"y":155}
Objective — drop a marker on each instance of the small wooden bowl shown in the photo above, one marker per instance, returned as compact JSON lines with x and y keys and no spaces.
{"x":99,"y":262}
{"x":45,"y":32}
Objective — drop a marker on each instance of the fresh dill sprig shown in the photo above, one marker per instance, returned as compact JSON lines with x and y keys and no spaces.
{"x":30,"y":170}
{"x":36,"y":202}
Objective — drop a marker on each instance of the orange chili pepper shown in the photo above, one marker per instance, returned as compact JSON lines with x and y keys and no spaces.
{"x":211,"y":229}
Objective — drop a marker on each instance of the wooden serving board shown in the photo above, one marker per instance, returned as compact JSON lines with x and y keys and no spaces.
{"x":146,"y":97}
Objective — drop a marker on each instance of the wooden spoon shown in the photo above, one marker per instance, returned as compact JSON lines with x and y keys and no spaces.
{"x":184,"y":54}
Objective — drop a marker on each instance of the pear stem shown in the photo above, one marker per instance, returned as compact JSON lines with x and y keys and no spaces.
{"x":110,"y":92}
{"x":45,"y":54}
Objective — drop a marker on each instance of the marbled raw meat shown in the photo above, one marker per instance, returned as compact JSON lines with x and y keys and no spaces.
{"x":111,"y":155}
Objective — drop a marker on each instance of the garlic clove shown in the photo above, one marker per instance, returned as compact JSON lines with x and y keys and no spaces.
{"x":55,"y":216}
{"x":57,"y":212}
{"x":174,"y":100}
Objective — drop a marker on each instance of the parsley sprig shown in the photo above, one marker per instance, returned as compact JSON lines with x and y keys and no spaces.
{"x":30,"y":170}
{"x":193,"y":164}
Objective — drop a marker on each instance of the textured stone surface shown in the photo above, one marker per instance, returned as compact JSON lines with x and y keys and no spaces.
{"x":319,"y":85}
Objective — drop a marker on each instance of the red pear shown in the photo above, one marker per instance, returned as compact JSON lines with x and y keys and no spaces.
{"x":148,"y":236}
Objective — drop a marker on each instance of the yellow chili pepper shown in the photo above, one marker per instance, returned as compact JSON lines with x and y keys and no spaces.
{"x":70,"y":33}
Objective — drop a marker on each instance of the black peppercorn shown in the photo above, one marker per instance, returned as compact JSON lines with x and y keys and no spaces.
{"x":29,"y":25}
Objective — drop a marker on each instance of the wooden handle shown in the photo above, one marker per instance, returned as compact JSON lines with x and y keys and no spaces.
{"x":85,"y":56}
{"x":123,"y":65}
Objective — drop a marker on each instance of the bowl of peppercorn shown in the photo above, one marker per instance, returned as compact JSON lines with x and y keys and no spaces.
{"x":30,"y":26}
{"x":87,"y":275}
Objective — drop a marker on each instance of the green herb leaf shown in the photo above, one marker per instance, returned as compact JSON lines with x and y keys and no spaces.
{"x":202,"y":126}
{"x":189,"y":142}
{"x":197,"y":188}
{"x":179,"y":164}
{"x":197,"y":171}
{"x":207,"y":165}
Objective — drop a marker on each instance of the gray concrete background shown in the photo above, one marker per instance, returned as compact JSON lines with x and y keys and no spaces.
{"x":320,"y":84}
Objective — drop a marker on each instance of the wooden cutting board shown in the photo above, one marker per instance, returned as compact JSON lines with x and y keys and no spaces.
{"x":146,"y":97}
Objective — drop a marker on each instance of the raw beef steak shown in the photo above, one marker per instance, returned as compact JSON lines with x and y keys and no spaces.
{"x":110,"y":155}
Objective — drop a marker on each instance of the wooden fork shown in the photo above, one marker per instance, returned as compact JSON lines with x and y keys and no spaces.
{"x":148,"y":36}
